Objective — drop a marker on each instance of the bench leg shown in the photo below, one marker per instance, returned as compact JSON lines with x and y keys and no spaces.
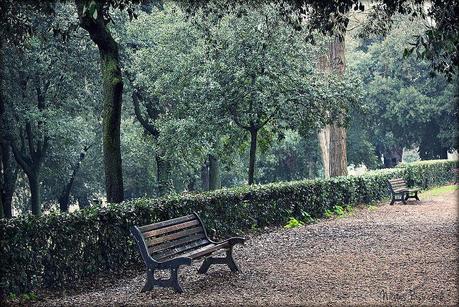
{"x":228,"y":260}
{"x":149,"y":284}
{"x":175,"y":280}
{"x":172,"y":282}
{"x":392,"y":201}
{"x":231,"y":263}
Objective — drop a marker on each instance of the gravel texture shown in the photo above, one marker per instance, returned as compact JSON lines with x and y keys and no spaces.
{"x":389,"y":255}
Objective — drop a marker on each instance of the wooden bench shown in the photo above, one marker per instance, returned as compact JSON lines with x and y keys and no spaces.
{"x":169,"y":244}
{"x":398,"y":187}
{"x":455,"y":172}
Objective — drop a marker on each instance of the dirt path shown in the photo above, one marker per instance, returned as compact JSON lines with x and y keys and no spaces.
{"x":401,"y":254}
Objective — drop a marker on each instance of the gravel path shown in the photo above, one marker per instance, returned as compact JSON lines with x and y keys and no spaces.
{"x":401,"y":254}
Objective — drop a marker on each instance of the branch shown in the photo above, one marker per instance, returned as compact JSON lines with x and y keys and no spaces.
{"x":145,"y":124}
{"x":20,"y":158}
{"x":30,"y":139}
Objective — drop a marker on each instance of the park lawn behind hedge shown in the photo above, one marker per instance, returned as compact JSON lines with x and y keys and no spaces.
{"x":57,"y":250}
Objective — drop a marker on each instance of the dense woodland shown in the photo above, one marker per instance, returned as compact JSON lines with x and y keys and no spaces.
{"x":98,"y":105}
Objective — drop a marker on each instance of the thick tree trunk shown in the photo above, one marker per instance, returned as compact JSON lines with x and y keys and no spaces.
{"x":393,"y":156}
{"x":113,"y":90}
{"x":338,"y":157}
{"x":324,"y":143}
{"x":2,"y":111}
{"x":253,"y":153}
{"x":112,"y":95}
{"x":35,"y":197}
{"x":214,"y":173}
{"x":338,"y":153}
{"x":163,"y":176}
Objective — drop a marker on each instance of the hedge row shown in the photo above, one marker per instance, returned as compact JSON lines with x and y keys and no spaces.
{"x":57,"y":250}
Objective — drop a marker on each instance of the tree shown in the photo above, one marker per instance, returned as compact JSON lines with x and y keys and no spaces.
{"x":94,"y":18}
{"x":44,"y":98}
{"x":405,"y":106}
{"x":258,"y":75}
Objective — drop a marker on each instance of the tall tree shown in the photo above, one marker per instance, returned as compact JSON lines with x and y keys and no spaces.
{"x":94,"y":18}
{"x":338,"y":152}
{"x":332,"y":138}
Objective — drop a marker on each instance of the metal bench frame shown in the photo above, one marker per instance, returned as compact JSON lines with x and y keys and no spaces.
{"x":174,"y":264}
{"x":398,"y":187}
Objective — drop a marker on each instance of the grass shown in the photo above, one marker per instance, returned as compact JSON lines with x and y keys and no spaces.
{"x":439,"y":191}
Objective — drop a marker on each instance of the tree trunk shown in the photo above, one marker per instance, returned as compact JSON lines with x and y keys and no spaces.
{"x":64,"y":198}
{"x":112,"y":95}
{"x":253,"y":152}
{"x":205,"y":176}
{"x":393,"y":156}
{"x":338,"y":157}
{"x":35,"y":197}
{"x":163,"y":176}
{"x":338,"y":153}
{"x":83,"y":200}
{"x":8,"y":180}
{"x":324,"y":143}
{"x":2,"y":111}
{"x":191,"y":186}
{"x":113,"y":89}
{"x":214,"y":173}
{"x":2,"y":213}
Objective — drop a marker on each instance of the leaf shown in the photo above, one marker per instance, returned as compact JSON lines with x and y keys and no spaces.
{"x":94,"y":14}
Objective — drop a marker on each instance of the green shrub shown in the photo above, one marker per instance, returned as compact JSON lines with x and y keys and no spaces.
{"x":57,"y":250}
{"x":293,"y":223}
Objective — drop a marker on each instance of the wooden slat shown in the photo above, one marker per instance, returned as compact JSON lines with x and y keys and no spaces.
{"x":157,"y":232}
{"x":206,"y":250}
{"x":396,"y":180}
{"x":175,"y":235}
{"x":170,"y":222}
{"x":170,"y":253}
{"x":169,"y":244}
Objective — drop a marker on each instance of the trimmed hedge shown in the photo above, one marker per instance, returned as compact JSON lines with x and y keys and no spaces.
{"x":57,"y":250}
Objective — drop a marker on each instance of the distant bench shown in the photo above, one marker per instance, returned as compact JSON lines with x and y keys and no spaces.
{"x":172,"y":243}
{"x":400,"y":191}
{"x":455,"y":172}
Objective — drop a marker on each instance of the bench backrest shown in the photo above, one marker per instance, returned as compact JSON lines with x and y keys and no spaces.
{"x":397,"y":184}
{"x":163,"y":240}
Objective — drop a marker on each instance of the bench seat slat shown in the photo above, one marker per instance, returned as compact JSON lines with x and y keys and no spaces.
{"x":157,"y":232}
{"x":170,"y":222}
{"x":173,"y":236}
{"x":173,"y":243}
{"x":204,"y":251}
{"x":172,"y":253}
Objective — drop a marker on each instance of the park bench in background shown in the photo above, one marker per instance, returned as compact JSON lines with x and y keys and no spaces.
{"x":455,"y":172}
{"x":400,"y":191}
{"x":169,"y":244}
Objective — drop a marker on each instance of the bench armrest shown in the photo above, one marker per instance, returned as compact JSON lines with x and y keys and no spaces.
{"x":235,"y":240}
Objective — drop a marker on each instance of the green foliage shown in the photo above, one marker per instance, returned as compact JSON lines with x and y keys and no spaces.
{"x":59,"y":249}
{"x":293,"y":223}
{"x":404,"y":107}
{"x":337,"y":211}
